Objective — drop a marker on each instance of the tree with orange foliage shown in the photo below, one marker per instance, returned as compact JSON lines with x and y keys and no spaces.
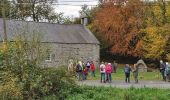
{"x":120,"y":24}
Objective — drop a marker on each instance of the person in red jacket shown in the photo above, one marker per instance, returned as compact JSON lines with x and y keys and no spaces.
{"x":92,"y":68}
{"x":85,"y":72}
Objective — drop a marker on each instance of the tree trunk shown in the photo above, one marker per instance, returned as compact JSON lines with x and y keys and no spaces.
{"x":163,"y":8}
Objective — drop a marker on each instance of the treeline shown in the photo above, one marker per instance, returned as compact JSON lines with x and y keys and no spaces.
{"x":33,"y":10}
{"x":132,"y":28}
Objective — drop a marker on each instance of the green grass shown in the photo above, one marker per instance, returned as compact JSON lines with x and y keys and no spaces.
{"x":119,"y":75}
{"x":109,"y":93}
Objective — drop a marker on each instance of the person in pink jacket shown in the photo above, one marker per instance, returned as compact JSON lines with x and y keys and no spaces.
{"x":109,"y":72}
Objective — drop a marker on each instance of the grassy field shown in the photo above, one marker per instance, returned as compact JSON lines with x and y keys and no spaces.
{"x":109,"y":93}
{"x":119,"y":75}
{"x":101,"y":93}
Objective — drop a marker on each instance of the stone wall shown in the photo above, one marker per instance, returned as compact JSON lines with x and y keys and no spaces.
{"x":62,"y":53}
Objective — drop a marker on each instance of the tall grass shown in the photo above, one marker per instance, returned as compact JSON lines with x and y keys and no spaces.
{"x":109,"y":93}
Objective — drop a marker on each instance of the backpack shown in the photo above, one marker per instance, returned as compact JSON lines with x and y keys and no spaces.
{"x":127,"y":70}
{"x":168,"y":71}
{"x":78,"y":68}
{"x":101,"y":69}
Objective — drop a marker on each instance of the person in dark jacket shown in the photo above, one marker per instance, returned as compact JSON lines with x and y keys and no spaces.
{"x":79,"y":70}
{"x":162,"y":70}
{"x":127,"y":71}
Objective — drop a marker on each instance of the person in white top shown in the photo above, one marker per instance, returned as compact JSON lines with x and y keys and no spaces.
{"x":102,"y":71}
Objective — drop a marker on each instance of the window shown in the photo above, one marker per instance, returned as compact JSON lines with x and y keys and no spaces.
{"x":49,"y":56}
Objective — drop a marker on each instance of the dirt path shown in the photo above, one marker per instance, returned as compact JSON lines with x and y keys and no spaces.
{"x":122,"y":84}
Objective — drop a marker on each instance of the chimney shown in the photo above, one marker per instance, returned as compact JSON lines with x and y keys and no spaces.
{"x":84,"y":20}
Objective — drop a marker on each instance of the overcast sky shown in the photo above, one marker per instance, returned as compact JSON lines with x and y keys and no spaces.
{"x":72,"y":7}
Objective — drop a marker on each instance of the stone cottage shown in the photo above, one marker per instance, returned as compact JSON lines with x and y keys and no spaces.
{"x":68,"y":41}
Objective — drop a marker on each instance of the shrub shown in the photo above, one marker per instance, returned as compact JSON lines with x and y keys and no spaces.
{"x":10,"y":90}
{"x":22,"y":77}
{"x":56,"y":82}
{"x":152,"y":65}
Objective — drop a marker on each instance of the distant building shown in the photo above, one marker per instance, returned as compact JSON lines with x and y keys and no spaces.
{"x":68,"y":41}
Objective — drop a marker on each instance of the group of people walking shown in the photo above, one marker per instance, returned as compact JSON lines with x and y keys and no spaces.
{"x":83,"y":69}
{"x":128,"y":69}
{"x":106,"y":71}
{"x":165,"y":70}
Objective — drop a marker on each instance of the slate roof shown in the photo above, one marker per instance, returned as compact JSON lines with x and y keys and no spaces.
{"x":55,"y":33}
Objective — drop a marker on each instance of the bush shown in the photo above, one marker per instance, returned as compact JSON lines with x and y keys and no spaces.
{"x":21,"y":75}
{"x":149,"y":70}
{"x":49,"y":82}
{"x":10,"y":90}
{"x":152,"y":65}
{"x":56,"y":82}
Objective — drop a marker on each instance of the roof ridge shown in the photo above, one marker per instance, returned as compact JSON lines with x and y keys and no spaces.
{"x":40,"y":22}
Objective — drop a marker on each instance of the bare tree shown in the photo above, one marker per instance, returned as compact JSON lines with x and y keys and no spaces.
{"x":36,"y":10}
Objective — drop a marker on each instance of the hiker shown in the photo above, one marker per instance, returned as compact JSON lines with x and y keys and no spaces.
{"x":135,"y":73}
{"x":85,"y":73}
{"x":71,"y":67}
{"x":109,"y":72}
{"x":115,"y":66}
{"x":167,"y":71}
{"x":162,"y":70}
{"x":102,"y":72}
{"x":127,"y":70}
{"x":92,"y":69}
{"x":79,"y":70}
{"x":105,"y":71}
